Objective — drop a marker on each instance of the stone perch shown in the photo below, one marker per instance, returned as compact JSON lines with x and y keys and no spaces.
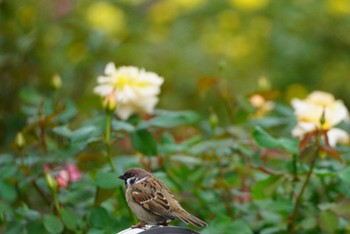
{"x":158,"y":230}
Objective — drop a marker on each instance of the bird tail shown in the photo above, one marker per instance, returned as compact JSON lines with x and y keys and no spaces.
{"x":187,"y":218}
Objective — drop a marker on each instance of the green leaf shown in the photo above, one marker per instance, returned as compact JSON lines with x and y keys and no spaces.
{"x":52,"y":224}
{"x":342,"y":209}
{"x":344,"y":175}
{"x":309,"y":222}
{"x":82,"y":134}
{"x":107,"y":180}
{"x":222,"y":224}
{"x":31,"y":96}
{"x":282,"y":206}
{"x":328,"y":222}
{"x":30,"y":214}
{"x":7,"y":171}
{"x":265,"y":188}
{"x":266,"y":140}
{"x":273,"y":230}
{"x":4,"y":207}
{"x":144,"y":142}
{"x":269,"y":122}
{"x":62,"y":131}
{"x":70,"y":219}
{"x":291,"y":145}
{"x":103,"y":194}
{"x":100,"y":218}
{"x":186,"y":160}
{"x":14,"y":228}
{"x":122,"y":126}
{"x":240,"y":227}
{"x":35,"y":226}
{"x":69,"y":112}
{"x":167,"y":119}
{"x":7,"y":192}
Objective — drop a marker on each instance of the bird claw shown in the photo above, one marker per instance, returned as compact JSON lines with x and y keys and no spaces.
{"x":140,"y":224}
{"x":165,"y":223}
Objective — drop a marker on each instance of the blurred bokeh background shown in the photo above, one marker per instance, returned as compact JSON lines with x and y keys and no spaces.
{"x":294,"y":46}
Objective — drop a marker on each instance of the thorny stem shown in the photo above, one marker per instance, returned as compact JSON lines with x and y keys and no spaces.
{"x":295,"y":166}
{"x":226,"y":195}
{"x":291,"y":225}
{"x":107,"y":139}
{"x":43,"y":135}
{"x":42,"y":123}
{"x":295,"y":171}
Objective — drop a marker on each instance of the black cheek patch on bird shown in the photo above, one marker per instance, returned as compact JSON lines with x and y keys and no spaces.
{"x":130,"y":181}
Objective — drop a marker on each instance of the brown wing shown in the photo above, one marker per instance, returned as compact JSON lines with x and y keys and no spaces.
{"x":145,"y":194}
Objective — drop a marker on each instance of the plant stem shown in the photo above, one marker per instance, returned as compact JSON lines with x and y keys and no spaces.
{"x":295,"y":167}
{"x":57,"y":204}
{"x":108,"y":139}
{"x":295,"y":173}
{"x":292,"y":218}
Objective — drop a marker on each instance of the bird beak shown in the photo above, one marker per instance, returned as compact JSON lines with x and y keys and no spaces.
{"x":122,"y":177}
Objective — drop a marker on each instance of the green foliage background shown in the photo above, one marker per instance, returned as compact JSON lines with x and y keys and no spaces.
{"x":213,"y":55}
{"x":289,"y":42}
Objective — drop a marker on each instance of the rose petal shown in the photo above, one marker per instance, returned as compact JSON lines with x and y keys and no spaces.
{"x":336,"y":135}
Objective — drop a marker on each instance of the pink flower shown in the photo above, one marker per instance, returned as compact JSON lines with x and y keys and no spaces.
{"x":63,"y":179}
{"x":69,"y":174}
{"x":46,"y":168}
{"x":73,"y":172}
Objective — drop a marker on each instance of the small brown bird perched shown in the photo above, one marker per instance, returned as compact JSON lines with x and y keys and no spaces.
{"x":152,"y":202}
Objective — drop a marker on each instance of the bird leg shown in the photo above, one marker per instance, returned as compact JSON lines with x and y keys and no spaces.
{"x":165,"y":223}
{"x":140,"y":224}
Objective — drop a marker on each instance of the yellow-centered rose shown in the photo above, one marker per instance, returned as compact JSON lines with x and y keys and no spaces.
{"x":309,"y":113}
{"x":135,"y":90}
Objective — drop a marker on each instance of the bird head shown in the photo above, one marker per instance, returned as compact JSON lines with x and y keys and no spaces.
{"x":133,"y":175}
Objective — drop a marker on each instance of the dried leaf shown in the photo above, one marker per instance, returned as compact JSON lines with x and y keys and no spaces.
{"x":333,"y":152}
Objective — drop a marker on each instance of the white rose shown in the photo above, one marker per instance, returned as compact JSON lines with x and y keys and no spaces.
{"x":135,"y":89}
{"x":309,"y":113}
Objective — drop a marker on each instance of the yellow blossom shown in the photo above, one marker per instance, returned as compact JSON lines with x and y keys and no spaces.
{"x":164,"y":12}
{"x":19,"y":140}
{"x":106,"y":17}
{"x":228,"y":20}
{"x":261,"y":104}
{"x":27,"y":15}
{"x":339,"y":7}
{"x":56,"y":81}
{"x":249,"y":5}
{"x":110,"y":102}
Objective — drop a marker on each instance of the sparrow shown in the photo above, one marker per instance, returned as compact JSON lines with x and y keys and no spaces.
{"x":152,"y":202}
